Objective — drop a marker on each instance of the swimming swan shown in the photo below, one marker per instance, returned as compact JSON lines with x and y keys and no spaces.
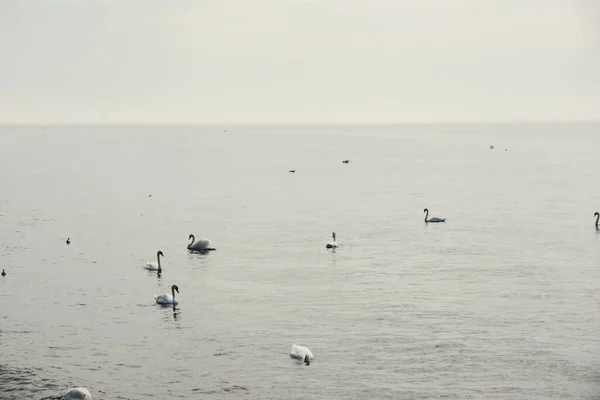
{"x":78,"y":394}
{"x":3,"y":273}
{"x":200,"y":245}
{"x":155,"y":267}
{"x":597,"y":215}
{"x":168,"y":299}
{"x":301,"y":353}
{"x":332,"y":245}
{"x":434,"y":219}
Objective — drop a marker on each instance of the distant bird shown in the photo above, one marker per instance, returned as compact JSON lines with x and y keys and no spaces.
{"x":201,"y":245}
{"x":345,"y":161}
{"x":597,"y":215}
{"x":434,"y":219}
{"x":68,"y":240}
{"x":332,"y":245}
{"x":149,"y":195}
{"x":78,"y":394}
{"x":505,"y":149}
{"x":292,"y":170}
{"x":3,"y":273}
{"x":168,"y":299}
{"x":492,"y":146}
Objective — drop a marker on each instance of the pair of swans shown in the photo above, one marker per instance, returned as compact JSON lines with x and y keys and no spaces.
{"x":201,"y":245}
{"x":163,"y":299}
{"x":301,"y":353}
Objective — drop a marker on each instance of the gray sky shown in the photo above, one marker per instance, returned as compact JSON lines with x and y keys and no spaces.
{"x":287,"y":61}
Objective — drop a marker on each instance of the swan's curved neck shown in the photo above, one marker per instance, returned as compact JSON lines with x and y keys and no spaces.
{"x":597,"y":218}
{"x":193,"y":239}
{"x":158,"y":259}
{"x":426,"y":215}
{"x":173,"y":292}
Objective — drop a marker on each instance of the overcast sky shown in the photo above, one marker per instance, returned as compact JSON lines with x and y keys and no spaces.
{"x":288,"y":61}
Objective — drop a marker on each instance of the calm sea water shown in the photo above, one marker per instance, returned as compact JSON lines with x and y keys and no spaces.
{"x":501,"y":302}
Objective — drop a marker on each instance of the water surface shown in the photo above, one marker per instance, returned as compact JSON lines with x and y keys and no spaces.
{"x":500,"y":302}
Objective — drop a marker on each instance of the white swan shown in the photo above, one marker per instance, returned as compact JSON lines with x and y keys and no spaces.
{"x":201,"y":245}
{"x":78,"y":394}
{"x":333,"y":244}
{"x":301,"y":353}
{"x":168,"y":299}
{"x":155,"y":266}
{"x":434,"y":219}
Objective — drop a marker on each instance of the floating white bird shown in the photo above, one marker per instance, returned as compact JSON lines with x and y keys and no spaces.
{"x":168,"y":299}
{"x":301,"y":353}
{"x":78,"y":394}
{"x":201,"y":245}
{"x":333,"y":244}
{"x":155,"y":267}
{"x":434,"y":219}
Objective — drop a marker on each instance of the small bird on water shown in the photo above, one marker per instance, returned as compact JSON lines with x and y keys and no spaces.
{"x":68,"y":240}
{"x":3,"y":273}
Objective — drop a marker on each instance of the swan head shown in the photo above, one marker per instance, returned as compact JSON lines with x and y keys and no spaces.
{"x":425,"y":210}
{"x":160,"y":253}
{"x":596,"y":213}
{"x":174,"y":288}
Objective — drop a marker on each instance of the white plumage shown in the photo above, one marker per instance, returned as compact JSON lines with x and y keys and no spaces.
{"x":300,"y":352}
{"x":202,"y":244}
{"x":155,"y":266}
{"x":78,"y":394}
{"x":168,"y":299}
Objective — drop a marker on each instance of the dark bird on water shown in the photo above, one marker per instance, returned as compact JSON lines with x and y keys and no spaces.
{"x":68,"y":240}
{"x":292,"y":170}
{"x":345,"y":161}
{"x":3,"y":273}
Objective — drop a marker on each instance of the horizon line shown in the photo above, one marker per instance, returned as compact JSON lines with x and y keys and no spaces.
{"x":290,"y":124}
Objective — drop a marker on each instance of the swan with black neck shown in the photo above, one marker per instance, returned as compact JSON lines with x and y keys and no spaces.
{"x":155,"y":266}
{"x":200,"y":245}
{"x":168,"y":299}
{"x":434,"y":219}
{"x":333,"y":244}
